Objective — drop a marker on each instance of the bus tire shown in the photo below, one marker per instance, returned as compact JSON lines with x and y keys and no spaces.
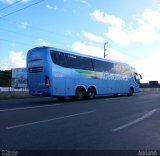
{"x":91,"y":93}
{"x":131,"y":91}
{"x":80,"y":93}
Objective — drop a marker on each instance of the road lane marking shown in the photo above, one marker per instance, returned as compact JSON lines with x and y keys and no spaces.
{"x":48,"y":120}
{"x":23,"y":108}
{"x":147,"y":115}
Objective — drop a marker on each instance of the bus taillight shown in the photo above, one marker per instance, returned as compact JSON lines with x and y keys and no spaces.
{"x":47,"y":82}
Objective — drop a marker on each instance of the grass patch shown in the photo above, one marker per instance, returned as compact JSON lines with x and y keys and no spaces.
{"x":14,"y":95}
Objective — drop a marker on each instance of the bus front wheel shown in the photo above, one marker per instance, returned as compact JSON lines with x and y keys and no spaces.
{"x":80,"y":93}
{"x":131,"y":91}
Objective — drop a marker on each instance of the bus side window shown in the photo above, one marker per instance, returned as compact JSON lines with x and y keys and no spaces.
{"x":98,"y":66}
{"x":55,"y":57}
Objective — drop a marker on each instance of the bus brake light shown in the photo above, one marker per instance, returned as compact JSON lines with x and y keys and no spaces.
{"x":47,"y":82}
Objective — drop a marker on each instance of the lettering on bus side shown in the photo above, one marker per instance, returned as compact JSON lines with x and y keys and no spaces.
{"x":107,"y":76}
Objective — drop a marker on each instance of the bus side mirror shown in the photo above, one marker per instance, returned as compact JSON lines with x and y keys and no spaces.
{"x":140,"y":76}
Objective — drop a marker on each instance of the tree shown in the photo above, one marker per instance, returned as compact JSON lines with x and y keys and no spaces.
{"x":5,"y":78}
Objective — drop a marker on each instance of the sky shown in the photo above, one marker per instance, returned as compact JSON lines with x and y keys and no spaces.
{"x":131,"y":29}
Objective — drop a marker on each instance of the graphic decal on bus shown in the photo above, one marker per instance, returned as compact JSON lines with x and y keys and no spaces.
{"x":104,"y":75}
{"x":92,"y":74}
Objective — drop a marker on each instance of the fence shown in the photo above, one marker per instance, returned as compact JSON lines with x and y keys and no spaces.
{"x":8,"y":92}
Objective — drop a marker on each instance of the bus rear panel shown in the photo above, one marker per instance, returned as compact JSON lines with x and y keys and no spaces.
{"x":38,"y":77}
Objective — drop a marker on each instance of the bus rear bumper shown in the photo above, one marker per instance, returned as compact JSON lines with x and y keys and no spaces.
{"x":43,"y":92}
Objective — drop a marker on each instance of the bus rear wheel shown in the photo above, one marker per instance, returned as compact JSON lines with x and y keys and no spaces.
{"x":91,"y":93}
{"x":80,"y":93}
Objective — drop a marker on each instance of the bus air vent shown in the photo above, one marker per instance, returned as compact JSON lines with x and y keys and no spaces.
{"x":35,"y":70}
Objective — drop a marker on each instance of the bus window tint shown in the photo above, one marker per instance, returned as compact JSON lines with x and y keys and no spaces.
{"x":109,"y":66}
{"x":121,"y":69}
{"x":71,"y":61}
{"x":98,"y":65}
{"x":79,"y":62}
{"x":84,"y":63}
{"x":102,"y":66}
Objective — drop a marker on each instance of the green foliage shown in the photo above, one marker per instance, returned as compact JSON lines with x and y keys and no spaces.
{"x":5,"y":78}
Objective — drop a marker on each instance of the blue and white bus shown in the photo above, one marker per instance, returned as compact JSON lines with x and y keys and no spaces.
{"x":60,"y":73}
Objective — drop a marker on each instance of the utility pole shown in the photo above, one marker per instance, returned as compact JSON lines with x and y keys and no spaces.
{"x":105,"y":49}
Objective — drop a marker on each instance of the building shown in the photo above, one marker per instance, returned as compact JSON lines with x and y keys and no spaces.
{"x":19,"y":77}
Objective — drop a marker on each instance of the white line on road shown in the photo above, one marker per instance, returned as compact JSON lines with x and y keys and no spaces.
{"x":23,"y":108}
{"x":53,"y":119}
{"x":150,"y":113}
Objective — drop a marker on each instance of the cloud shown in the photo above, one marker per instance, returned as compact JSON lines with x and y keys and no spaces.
{"x":148,"y":67}
{"x":93,"y":37}
{"x":151,"y":17}
{"x":87,"y":49}
{"x":118,"y":31}
{"x":25,"y":1}
{"x":14,"y":60}
{"x":5,"y":66}
{"x":112,"y":20}
{"x":13,"y":1}
{"x":42,"y":42}
{"x":85,"y":2}
{"x":8,"y":1}
{"x":24,"y":25}
{"x":118,"y":35}
{"x":145,"y":34}
{"x":99,"y":52}
{"x":117,"y":56}
{"x":52,"y":7}
{"x":17,"y":59}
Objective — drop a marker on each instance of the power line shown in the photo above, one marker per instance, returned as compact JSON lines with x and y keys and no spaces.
{"x":8,"y":6}
{"x":18,"y":42}
{"x":22,"y":9}
{"x":36,"y":28}
{"x":28,"y":44}
{"x":31,"y":36}
{"x":22,"y":34}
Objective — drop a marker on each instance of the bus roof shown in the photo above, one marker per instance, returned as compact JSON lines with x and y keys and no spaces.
{"x":76,"y":53}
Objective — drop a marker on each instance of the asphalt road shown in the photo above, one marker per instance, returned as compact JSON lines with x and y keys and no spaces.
{"x":105,"y":123}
